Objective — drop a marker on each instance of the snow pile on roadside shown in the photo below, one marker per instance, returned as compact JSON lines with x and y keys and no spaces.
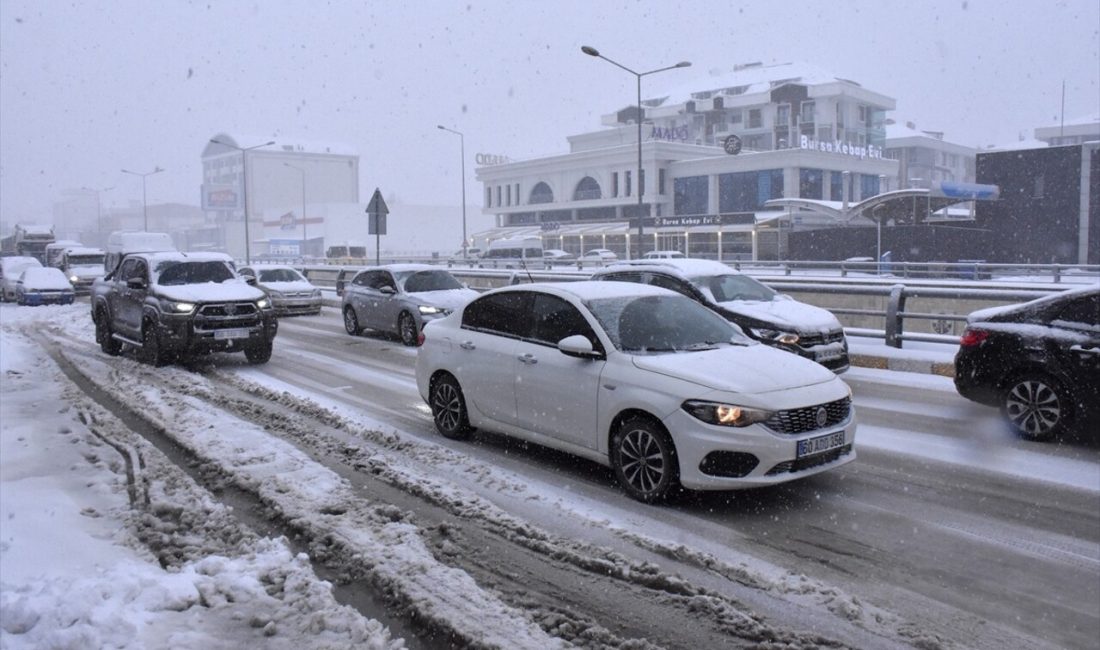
{"x":73,"y":573}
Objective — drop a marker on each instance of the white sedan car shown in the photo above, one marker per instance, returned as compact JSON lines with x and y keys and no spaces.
{"x":639,"y":378}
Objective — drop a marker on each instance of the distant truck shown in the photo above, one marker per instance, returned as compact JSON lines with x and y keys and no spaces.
{"x":123,"y":242}
{"x":28,"y":240}
{"x":54,"y":251}
{"x":82,"y":266}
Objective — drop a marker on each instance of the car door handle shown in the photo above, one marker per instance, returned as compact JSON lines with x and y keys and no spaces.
{"x":1083,"y":349}
{"x":467,"y":345}
{"x":529,"y":359}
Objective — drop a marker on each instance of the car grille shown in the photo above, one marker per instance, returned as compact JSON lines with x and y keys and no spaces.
{"x":810,"y":340}
{"x":801,"y":420}
{"x":227,"y":315}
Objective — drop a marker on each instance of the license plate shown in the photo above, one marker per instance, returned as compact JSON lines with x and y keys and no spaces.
{"x":820,"y":444}
{"x":238,"y":333}
{"x":827,"y":355}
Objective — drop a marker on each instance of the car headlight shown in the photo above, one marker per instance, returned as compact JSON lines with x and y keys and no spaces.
{"x":73,"y":278}
{"x":176,"y":307}
{"x":263,"y":303}
{"x":428,"y":310}
{"x":779,"y":336}
{"x":728,"y":415}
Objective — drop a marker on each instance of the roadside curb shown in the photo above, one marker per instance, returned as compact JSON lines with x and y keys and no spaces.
{"x":941,"y":368}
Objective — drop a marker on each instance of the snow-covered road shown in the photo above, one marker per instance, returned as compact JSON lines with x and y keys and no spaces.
{"x":945,"y":533}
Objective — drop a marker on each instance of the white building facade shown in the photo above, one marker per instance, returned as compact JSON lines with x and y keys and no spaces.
{"x":710,"y":160}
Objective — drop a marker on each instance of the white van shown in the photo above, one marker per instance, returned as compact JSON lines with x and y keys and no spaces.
{"x":521,"y":250}
{"x":55,"y":250}
{"x":122,"y":242}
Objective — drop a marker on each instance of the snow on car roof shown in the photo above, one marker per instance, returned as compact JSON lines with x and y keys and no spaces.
{"x":201,"y":256}
{"x":686,"y":268}
{"x":397,"y":268}
{"x":593,"y":290}
{"x":84,"y":250}
{"x":267,"y":266}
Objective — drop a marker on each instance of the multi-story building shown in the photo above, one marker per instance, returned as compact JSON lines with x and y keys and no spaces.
{"x":711,"y":157}
{"x":1078,"y":131}
{"x":283,"y":180}
{"x":925,"y":158}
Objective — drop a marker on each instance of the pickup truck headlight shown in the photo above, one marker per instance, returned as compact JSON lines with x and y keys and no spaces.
{"x":779,"y":336}
{"x":727,"y":415}
{"x":174,"y":307}
{"x":263,"y":303}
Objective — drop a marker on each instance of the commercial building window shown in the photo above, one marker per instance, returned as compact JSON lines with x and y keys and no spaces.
{"x":498,"y":195}
{"x":811,"y":183}
{"x":488,"y":197}
{"x":690,"y":195}
{"x":587,"y":189}
{"x":541,"y":193}
{"x":517,"y":194}
{"x":747,"y":191}
{"x":836,"y":186}
{"x":808,"y":111}
{"x":626,"y":181}
{"x":783,"y":115}
{"x":660,"y":181}
{"x":755,"y":120}
{"x":508,"y":194}
{"x":614,"y":184}
{"x":868,"y":186}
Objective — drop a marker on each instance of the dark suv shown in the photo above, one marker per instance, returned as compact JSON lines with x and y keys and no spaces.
{"x":1038,"y":361}
{"x":177,"y":305}
{"x":765,"y":315}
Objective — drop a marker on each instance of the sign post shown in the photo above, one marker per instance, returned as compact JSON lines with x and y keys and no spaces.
{"x":376,"y":225}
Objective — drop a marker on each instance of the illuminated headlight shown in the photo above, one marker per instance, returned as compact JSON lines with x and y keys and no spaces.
{"x":177,"y":307}
{"x":779,"y":336}
{"x":428,"y":310}
{"x":728,"y":415}
{"x":263,"y":303}
{"x":74,"y":279}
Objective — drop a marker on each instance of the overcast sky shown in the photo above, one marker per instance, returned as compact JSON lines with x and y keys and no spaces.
{"x":89,"y":88}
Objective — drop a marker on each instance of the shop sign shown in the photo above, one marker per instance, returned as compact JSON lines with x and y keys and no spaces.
{"x":837,"y":146}
{"x":704,"y":220}
{"x":680,"y":133}
{"x":487,"y":159}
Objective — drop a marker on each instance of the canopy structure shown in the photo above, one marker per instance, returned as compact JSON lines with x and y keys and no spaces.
{"x":911,"y":206}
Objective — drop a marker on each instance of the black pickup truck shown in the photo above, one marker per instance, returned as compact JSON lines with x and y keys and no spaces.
{"x":174,"y":306}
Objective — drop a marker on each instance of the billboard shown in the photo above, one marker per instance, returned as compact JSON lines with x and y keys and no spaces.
{"x":216,"y":196}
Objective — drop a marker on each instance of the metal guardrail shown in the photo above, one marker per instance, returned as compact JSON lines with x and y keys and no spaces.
{"x":896,"y":294}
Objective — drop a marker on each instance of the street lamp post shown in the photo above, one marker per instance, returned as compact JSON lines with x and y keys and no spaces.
{"x":144,"y":203}
{"x":99,"y":209}
{"x":462,"y":153}
{"x":244,"y":188}
{"x":305,"y":236}
{"x":591,"y":51}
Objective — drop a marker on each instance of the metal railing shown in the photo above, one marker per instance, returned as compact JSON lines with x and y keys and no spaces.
{"x":883,"y":300}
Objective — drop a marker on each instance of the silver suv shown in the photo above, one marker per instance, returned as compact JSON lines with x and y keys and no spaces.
{"x":765,"y":315}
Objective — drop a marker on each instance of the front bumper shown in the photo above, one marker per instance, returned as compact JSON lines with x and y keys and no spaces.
{"x":716,"y":457}
{"x":36,"y":298}
{"x":296,"y":306}
{"x":184,"y":334}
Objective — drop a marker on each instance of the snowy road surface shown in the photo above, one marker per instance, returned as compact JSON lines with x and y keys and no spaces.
{"x":945,"y":533}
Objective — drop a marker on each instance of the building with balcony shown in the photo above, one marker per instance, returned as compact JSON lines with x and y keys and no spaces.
{"x":712,"y":155}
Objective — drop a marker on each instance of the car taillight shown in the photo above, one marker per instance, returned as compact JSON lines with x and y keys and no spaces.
{"x":420,"y":338}
{"x":970,"y":338}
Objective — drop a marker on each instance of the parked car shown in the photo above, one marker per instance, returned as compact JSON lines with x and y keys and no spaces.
{"x":663,"y":255}
{"x":289,"y":291}
{"x":601,"y":255}
{"x":472,"y":253}
{"x":39,"y":285}
{"x":400,"y":298}
{"x":11,"y":268}
{"x":639,"y":378}
{"x":765,"y":315}
{"x":1038,"y":361}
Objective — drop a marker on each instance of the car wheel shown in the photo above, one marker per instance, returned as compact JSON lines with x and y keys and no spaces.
{"x":644,"y":460}
{"x":351,"y":322}
{"x":151,"y":349}
{"x":1037,"y":407}
{"x":260,"y":353}
{"x":406,"y":328}
{"x":449,"y":408}
{"x":105,"y":337}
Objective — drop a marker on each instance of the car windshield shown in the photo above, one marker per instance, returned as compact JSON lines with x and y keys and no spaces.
{"x":85,"y":260}
{"x":659,"y":324}
{"x":280,"y":275}
{"x":724,"y":288}
{"x":418,"y":281}
{"x":177,"y":272}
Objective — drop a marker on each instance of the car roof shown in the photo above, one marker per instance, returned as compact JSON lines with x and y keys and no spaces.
{"x":267,"y":266}
{"x":398,"y":268}
{"x":12,"y":261}
{"x":1031,"y":306}
{"x":202,"y":256}
{"x":42,"y":271}
{"x":683,"y":268}
{"x":84,"y":250}
{"x":589,"y":289}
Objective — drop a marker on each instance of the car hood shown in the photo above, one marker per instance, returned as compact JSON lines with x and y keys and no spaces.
{"x":210,"y":292}
{"x":795,"y":315}
{"x":288,"y":287}
{"x":446,"y":298}
{"x":753,"y":368}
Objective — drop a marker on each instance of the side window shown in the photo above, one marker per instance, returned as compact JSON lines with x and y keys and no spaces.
{"x":631,"y":276}
{"x":503,"y":313}
{"x":665,"y":282}
{"x":554,"y":319}
{"x":383,"y":279}
{"x":132,"y":268}
{"x":362,"y":280}
{"x":1085,"y":310}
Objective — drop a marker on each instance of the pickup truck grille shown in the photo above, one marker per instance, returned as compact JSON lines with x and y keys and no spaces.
{"x":225,"y":315}
{"x":795,"y":421}
{"x":810,"y":340}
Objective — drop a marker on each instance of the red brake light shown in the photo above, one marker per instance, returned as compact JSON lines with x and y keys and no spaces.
{"x":420,"y":338}
{"x":970,"y":338}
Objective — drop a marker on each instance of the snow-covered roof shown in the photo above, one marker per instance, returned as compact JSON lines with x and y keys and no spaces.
{"x":593,"y":289}
{"x":685,"y":267}
{"x":1024,"y":143}
{"x":742,"y":79}
{"x":280,"y":144}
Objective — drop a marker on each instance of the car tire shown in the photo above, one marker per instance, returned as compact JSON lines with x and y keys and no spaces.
{"x":1037,"y":407}
{"x":151,"y":350}
{"x":407,"y":330}
{"x":351,"y":322}
{"x":104,"y":336}
{"x":260,"y":353}
{"x":449,"y":408}
{"x":644,"y":460}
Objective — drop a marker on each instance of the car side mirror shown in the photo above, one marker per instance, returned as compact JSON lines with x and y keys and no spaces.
{"x":387,"y":290}
{"x":136,"y":283}
{"x":249,"y":279}
{"x":578,"y":346}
